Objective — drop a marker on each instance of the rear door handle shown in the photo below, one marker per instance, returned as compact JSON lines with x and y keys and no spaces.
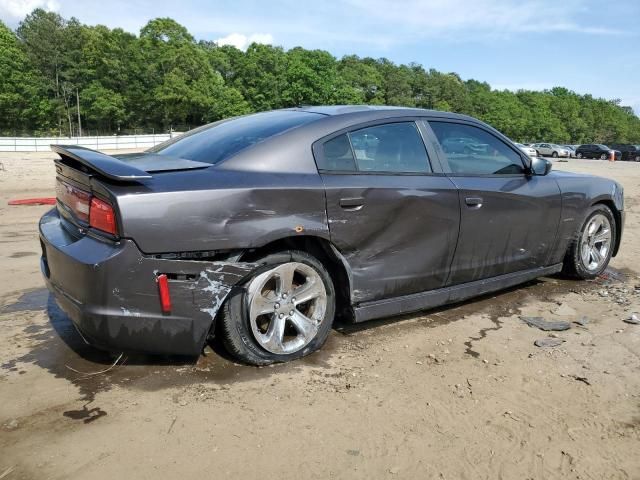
{"x":473,"y":202}
{"x":352,"y":203}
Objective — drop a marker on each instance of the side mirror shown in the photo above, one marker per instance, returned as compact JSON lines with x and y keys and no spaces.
{"x":540,"y":166}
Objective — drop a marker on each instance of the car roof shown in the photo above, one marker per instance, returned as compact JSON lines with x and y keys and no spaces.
{"x":376,"y":111}
{"x":290,"y":152}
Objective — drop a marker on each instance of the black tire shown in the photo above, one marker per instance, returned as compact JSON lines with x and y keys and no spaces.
{"x":572,"y":264}
{"x":235,"y":328}
{"x":603,"y":156}
{"x":539,"y":154}
{"x":579,"y":155}
{"x":554,"y":154}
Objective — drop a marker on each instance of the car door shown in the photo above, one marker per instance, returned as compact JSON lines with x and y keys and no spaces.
{"x":546,"y":149}
{"x":509,"y":219}
{"x":392,"y":214}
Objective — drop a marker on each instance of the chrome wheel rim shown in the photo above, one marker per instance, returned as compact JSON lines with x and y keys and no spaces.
{"x":595,"y":242}
{"x":286,"y":307}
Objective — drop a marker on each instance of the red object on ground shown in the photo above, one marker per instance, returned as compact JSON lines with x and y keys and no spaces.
{"x":34,"y":201}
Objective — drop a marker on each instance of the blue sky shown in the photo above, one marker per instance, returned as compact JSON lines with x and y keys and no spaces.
{"x":587,"y":46}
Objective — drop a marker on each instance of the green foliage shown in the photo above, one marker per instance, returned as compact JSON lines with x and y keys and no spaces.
{"x":55,"y":73}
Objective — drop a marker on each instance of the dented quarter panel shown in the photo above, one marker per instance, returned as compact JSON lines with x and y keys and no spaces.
{"x":215,"y":209}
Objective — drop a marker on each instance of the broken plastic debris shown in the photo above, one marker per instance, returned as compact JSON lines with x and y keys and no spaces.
{"x":542,"y":324}
{"x":633,"y":319}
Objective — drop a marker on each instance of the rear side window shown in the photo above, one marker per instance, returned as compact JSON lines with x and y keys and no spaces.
{"x":471,"y":150}
{"x":216,"y":142}
{"x":389,"y":148}
{"x":337,"y":155}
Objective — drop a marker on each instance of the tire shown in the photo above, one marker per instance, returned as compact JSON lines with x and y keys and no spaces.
{"x":539,"y":154}
{"x":638,"y":158}
{"x":575,"y":261}
{"x":603,"y":156}
{"x":579,"y":155}
{"x":554,"y":154}
{"x":248,"y":337}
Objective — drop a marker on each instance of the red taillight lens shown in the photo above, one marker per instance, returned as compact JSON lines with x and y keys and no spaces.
{"x":163,"y":290}
{"x":102,"y":216}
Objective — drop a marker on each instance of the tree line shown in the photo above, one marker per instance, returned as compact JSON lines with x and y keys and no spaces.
{"x":61,"y":77}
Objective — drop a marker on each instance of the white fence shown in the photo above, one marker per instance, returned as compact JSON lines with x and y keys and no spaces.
{"x":115,"y":142}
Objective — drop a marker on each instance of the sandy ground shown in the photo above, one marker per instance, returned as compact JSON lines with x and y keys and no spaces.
{"x":457,"y":393}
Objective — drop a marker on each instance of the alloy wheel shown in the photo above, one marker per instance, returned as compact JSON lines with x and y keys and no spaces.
{"x":286,"y":307}
{"x":595,"y":242}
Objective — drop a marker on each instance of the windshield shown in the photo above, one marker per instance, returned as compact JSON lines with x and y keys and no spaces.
{"x":218,"y":141}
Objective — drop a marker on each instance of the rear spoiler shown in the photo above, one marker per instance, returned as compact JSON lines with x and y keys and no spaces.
{"x":105,"y":165}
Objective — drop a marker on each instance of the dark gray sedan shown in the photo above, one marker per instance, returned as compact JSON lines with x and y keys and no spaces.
{"x":262,"y":229}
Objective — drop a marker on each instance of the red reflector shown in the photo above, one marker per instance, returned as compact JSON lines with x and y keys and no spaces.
{"x":102,"y":216}
{"x":163,"y":289}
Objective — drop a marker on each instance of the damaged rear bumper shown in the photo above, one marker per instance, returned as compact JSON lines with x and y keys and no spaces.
{"x":109,"y":291}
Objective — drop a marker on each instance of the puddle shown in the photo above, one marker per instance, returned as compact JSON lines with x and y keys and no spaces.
{"x":31,"y":300}
{"x":59,"y":348}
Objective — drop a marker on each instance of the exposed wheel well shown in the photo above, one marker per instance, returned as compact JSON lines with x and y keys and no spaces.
{"x":618,"y":218}
{"x":321,"y":249}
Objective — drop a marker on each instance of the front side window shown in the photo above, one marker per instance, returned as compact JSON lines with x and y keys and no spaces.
{"x":471,"y":150}
{"x":389,"y":148}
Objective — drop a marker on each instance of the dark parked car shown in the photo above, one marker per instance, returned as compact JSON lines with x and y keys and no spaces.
{"x":629,"y":153}
{"x":262,"y":229}
{"x":595,"y":150}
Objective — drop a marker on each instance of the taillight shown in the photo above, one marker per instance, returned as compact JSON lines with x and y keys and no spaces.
{"x":102,"y":216}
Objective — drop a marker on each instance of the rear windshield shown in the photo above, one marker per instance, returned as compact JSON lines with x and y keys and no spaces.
{"x":218,"y":141}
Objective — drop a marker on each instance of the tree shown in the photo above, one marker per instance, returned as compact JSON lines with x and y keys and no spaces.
{"x":22,"y":97}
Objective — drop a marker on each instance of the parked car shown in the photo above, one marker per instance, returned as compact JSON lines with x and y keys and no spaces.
{"x":572,"y":150}
{"x":530,"y":151}
{"x":550,"y":150}
{"x":630,"y":153}
{"x":463,"y":145}
{"x":596,"y":150}
{"x":262,"y":229}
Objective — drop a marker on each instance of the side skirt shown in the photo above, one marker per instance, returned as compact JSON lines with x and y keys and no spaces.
{"x":442,"y":296}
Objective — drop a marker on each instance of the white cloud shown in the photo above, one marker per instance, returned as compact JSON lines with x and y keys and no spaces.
{"x":488,"y":17}
{"x":242,"y":41}
{"x":18,"y":9}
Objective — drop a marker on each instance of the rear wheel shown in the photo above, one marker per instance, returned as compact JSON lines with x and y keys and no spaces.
{"x":590,"y":251}
{"x":284,"y":310}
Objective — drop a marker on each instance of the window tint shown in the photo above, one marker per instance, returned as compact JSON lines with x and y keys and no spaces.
{"x":394,"y":147}
{"x":216,"y":142}
{"x":472,"y":150}
{"x":337,"y":155}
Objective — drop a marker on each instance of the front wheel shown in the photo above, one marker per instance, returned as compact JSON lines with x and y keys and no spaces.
{"x":579,"y":155}
{"x":603,"y":156}
{"x":591,"y":249}
{"x":554,"y":154}
{"x":284,"y":311}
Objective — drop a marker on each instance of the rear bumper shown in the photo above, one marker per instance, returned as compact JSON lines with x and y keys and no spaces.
{"x":109,"y":291}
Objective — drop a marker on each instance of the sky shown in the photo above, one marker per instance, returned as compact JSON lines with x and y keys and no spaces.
{"x":585,"y":45}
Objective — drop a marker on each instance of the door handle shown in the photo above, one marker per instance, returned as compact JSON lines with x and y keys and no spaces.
{"x":352,"y":203}
{"x":473,"y":202}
